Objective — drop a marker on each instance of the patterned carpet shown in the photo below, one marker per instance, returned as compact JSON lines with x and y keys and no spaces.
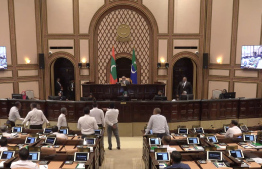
{"x":129,"y":157}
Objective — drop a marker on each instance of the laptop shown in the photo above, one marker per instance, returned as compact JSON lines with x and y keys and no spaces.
{"x":212,"y":139}
{"x":81,"y":156}
{"x":249,"y":138}
{"x":154,"y":141}
{"x":30,"y":140}
{"x":182,"y":131}
{"x":192,"y":140}
{"x":98,"y":132}
{"x":214,"y":155}
{"x":47,"y":130}
{"x":236,"y":153}
{"x":16,"y":129}
{"x":199,"y":130}
{"x":5,"y":155}
{"x":89,"y":141}
{"x":63,"y":131}
{"x":34,"y":156}
{"x":162,"y":156}
{"x":50,"y":140}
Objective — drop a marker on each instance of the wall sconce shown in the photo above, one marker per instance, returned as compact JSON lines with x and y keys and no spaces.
{"x":27,"y":61}
{"x":162,"y":60}
{"x":167,"y":65}
{"x":163,"y":65}
{"x":83,"y":60}
{"x":79,"y":65}
{"x":158,"y":65}
{"x":219,"y":60}
{"x":88,"y":65}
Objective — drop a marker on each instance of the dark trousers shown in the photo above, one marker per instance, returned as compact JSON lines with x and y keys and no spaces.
{"x":86,"y":136}
{"x":11,"y":123}
{"x":110,"y":129}
{"x":100,"y":125}
{"x":36,"y":126}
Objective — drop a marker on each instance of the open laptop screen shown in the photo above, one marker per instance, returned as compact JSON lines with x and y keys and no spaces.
{"x":81,"y":156}
{"x":63,"y":131}
{"x":30,"y":140}
{"x":182,"y":131}
{"x":154,"y":141}
{"x":47,"y":130}
{"x":16,"y":129}
{"x":214,"y":155}
{"x":192,"y":140}
{"x":212,"y":139}
{"x":236,"y":153}
{"x":5,"y":155}
{"x":249,"y":137}
{"x":162,"y":156}
{"x":199,"y":130}
{"x":34,"y":156}
{"x":89,"y":141}
{"x":50,"y":140}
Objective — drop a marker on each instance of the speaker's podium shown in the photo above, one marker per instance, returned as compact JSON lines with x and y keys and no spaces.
{"x":187,"y":97}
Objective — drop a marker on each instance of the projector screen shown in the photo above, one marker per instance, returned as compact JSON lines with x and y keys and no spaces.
{"x":251,"y":57}
{"x":3,"y":61}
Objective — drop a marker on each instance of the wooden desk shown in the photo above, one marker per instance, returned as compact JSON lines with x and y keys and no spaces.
{"x":210,"y":165}
{"x":112,"y":91}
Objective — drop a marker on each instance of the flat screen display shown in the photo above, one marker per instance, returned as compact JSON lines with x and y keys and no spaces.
{"x":16,"y":129}
{"x":249,"y":137}
{"x":34,"y":156}
{"x":182,"y":131}
{"x":199,"y":130}
{"x":192,"y":140}
{"x":89,"y":141}
{"x":81,"y":156}
{"x":63,"y":131}
{"x":30,"y":140}
{"x":47,"y":130}
{"x":251,"y":57}
{"x":236,"y":153}
{"x":50,"y":140}
{"x":212,"y":139}
{"x":3,"y":61}
{"x":154,"y":141}
{"x":214,"y":155}
{"x":5,"y":155}
{"x":162,"y":156}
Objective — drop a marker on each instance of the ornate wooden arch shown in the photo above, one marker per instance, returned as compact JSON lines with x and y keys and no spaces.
{"x":106,"y":9}
{"x":128,"y":56}
{"x":196,"y":61}
{"x":49,"y":62}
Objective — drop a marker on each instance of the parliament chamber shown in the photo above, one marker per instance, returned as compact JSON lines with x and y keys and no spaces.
{"x":135,"y":70}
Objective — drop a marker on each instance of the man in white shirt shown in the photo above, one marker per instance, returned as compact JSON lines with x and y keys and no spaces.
{"x":165,"y":142}
{"x":23,"y":162}
{"x":58,"y":135}
{"x":158,"y":124}
{"x":4,"y":132}
{"x":3,"y":144}
{"x":14,"y":114}
{"x":111,"y":119}
{"x":233,"y":129}
{"x":62,"y":118}
{"x":87,"y":124}
{"x":36,"y":117}
{"x":98,"y":114}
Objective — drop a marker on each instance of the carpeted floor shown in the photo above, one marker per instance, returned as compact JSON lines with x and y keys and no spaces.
{"x":129,"y":157}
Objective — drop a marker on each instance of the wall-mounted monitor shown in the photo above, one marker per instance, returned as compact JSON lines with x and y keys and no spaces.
{"x":251,"y":57}
{"x":3,"y":61}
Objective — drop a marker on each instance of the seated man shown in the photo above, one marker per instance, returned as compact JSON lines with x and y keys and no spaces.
{"x":159,"y":94}
{"x":233,"y":129}
{"x":124,"y":81}
{"x":23,"y":162}
{"x":62,"y":97}
{"x":165,"y":142}
{"x":175,"y":161}
{"x":3,"y":144}
{"x":58,"y":135}
{"x":91,"y":97}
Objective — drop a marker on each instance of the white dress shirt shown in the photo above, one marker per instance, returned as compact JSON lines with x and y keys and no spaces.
{"x":87,"y":124}
{"x":14,"y":114}
{"x":169,"y":149}
{"x":231,"y":131}
{"x":61,"y":121}
{"x":36,"y":117}
{"x":98,"y":114}
{"x":24,"y":164}
{"x":3,"y":149}
{"x":60,"y":135}
{"x":158,"y":124}
{"x":7,"y":135}
{"x":111,"y":116}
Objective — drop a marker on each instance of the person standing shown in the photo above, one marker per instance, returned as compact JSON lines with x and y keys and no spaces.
{"x":98,"y":114}
{"x":111,"y":119}
{"x":36,"y":117}
{"x":184,"y":87}
{"x":87,"y":124}
{"x":62,"y":118}
{"x":58,"y":86}
{"x":14,"y":114}
{"x":72,"y":90}
{"x":158,"y":124}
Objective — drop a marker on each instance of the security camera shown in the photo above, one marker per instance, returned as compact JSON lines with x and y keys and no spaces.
{"x":50,"y":52}
{"x":196,"y":52}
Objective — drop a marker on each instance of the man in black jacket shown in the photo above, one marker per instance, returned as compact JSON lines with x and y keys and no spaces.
{"x":184,"y":87}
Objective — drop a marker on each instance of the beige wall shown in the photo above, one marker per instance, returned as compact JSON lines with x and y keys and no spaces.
{"x":214,"y":85}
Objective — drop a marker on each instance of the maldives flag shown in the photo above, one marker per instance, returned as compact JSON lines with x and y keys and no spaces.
{"x":113,"y":74}
{"x":134,"y":69}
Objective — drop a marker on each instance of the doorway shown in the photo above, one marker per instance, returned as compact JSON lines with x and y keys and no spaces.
{"x":184,"y":67}
{"x":63,"y":69}
{"x":123,"y":67}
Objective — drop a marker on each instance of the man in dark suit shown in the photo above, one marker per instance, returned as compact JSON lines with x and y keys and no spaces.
{"x":58,"y":86}
{"x":184,"y":87}
{"x":124,"y":81}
